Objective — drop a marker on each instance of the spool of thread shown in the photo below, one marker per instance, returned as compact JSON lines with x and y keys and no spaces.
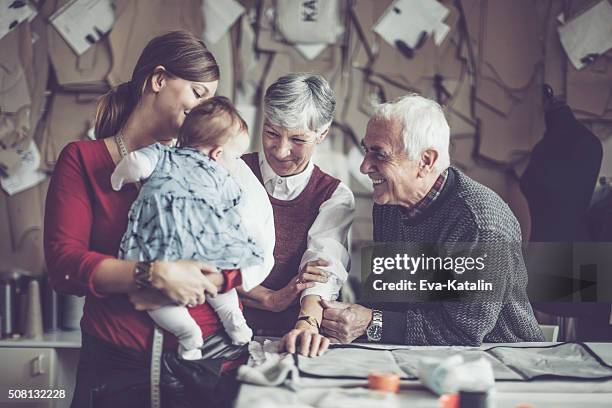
{"x":50,"y":307}
{"x":386,"y":382}
{"x":7,"y":298}
{"x":449,"y":401}
{"x":72,"y":311}
{"x":34,"y":322}
{"x":473,"y":399}
{"x":21,"y":308}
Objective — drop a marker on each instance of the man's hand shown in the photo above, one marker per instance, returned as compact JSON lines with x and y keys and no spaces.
{"x":281,"y":299}
{"x":344,"y":321}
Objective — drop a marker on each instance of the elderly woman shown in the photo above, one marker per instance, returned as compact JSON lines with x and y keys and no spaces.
{"x":313,"y":212}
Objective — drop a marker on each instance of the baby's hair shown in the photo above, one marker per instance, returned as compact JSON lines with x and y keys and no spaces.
{"x":210,"y":124}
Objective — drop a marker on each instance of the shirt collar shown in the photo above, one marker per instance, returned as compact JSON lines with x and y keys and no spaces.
{"x":417,"y":209}
{"x":292,"y":182}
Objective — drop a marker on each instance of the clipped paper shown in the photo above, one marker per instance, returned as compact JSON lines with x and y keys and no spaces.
{"x":219,"y":16}
{"x":309,"y":22}
{"x":12,"y":13}
{"x":310,"y":51}
{"x":406,"y":21}
{"x":82,"y":23}
{"x":588,"y":35}
{"x":440,"y":33}
{"x":27,"y":174}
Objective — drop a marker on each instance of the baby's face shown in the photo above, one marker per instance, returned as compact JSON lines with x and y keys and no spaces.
{"x":233,"y":150}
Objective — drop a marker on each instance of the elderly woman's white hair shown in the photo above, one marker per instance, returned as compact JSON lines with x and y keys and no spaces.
{"x":424,"y":126}
{"x":300,"y":101}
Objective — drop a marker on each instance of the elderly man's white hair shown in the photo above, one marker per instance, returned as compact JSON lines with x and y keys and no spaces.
{"x":424,"y":126}
{"x":300,"y":101}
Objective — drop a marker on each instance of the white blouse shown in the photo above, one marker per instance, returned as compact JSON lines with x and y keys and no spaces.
{"x":328,"y":235}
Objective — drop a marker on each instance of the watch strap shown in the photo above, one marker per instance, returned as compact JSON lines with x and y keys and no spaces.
{"x":377,"y":320}
{"x":311,"y":321}
{"x":143,"y":274}
{"x":377,"y":317}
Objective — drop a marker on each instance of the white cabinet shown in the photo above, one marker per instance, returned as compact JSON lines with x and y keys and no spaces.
{"x":27,"y":369}
{"x":31,"y":367}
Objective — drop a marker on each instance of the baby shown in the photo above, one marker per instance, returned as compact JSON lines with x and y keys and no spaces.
{"x":190,"y":207}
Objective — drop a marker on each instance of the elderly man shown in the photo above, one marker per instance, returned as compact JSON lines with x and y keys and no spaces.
{"x":313,"y":212}
{"x":419,"y":198}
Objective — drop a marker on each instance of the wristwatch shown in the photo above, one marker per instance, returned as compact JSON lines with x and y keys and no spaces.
{"x":311,"y":321}
{"x":374,"y":330}
{"x":143,"y":274}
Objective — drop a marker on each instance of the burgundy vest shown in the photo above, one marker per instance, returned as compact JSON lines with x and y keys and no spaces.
{"x":292,"y":221}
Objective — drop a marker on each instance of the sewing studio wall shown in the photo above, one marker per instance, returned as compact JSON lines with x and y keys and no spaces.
{"x":484,"y":60}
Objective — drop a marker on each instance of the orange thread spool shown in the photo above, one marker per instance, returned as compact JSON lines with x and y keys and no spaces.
{"x":386,"y":382}
{"x":449,"y":401}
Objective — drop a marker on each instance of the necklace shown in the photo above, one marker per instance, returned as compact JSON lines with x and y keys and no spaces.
{"x":121,"y":145}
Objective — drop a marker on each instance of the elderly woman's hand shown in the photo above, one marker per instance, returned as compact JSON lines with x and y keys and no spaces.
{"x":309,"y":274}
{"x":344,"y":321}
{"x":305,"y":339}
{"x":185,"y":282}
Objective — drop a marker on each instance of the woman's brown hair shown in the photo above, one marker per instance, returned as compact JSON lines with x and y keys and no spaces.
{"x":211,"y":124}
{"x":181,"y":53}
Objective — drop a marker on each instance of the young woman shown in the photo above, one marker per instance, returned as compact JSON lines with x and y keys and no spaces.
{"x":85,"y":220}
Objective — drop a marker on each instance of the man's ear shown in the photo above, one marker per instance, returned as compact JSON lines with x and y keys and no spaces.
{"x":427,"y":162}
{"x":323,"y":135}
{"x":215,"y":153}
{"x":158,"y":78}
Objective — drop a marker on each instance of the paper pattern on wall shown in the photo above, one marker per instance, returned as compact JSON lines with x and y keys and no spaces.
{"x":27,"y":174}
{"x":218,"y":18}
{"x":82,"y":23}
{"x":589,"y":34}
{"x":12,"y":13}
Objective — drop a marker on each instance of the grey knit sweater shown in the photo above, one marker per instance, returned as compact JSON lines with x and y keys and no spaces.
{"x":465,"y":212}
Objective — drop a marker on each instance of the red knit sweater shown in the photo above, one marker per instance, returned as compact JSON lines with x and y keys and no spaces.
{"x":292,"y":221}
{"x":84,"y":222}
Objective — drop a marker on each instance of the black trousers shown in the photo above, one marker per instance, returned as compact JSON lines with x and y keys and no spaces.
{"x":116,"y":377}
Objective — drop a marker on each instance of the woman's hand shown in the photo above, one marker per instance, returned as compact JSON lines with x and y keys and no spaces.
{"x":307,"y":338}
{"x":149,"y":299}
{"x":310,"y":273}
{"x":184,"y":282}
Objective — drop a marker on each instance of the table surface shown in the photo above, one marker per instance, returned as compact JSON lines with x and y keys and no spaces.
{"x":539,"y":394}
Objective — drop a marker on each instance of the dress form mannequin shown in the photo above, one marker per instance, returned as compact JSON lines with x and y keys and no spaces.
{"x":560,"y":178}
{"x":558,"y":183}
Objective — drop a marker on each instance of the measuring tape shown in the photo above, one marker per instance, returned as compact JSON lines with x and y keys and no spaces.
{"x":158,"y":342}
{"x":158,"y":336}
